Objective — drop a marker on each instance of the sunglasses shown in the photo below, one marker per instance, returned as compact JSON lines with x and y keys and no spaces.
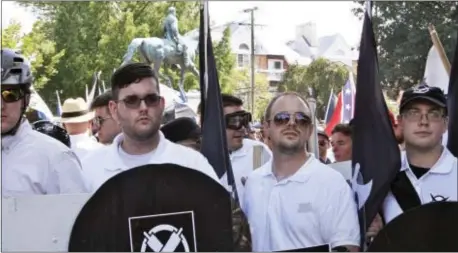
{"x":237,"y":120}
{"x":300,"y":118}
{"x":133,"y":101}
{"x":12,"y":95}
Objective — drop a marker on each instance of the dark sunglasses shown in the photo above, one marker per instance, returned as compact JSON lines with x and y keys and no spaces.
{"x":300,"y":118}
{"x":237,"y":120}
{"x":133,"y":101}
{"x":12,"y":95}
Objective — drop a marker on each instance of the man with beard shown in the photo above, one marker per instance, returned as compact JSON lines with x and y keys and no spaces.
{"x":295,"y":201}
{"x":137,"y":107}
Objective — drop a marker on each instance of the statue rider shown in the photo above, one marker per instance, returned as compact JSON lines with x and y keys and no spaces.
{"x":171,"y":32}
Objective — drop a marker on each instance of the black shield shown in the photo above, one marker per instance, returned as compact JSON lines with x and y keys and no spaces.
{"x":155,"y":208}
{"x":430,"y":227}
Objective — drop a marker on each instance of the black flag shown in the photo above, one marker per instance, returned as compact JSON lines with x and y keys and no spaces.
{"x":376,"y":155}
{"x":452,"y":98}
{"x":214,"y":143}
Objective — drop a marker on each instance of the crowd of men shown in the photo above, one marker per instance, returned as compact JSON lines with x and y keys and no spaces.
{"x":292,"y":199}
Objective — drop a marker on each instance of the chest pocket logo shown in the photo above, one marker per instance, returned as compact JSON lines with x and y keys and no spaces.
{"x":438,"y":198}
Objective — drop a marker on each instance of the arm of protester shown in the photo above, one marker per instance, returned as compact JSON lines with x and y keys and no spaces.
{"x":375,"y":227}
{"x":67,"y":174}
{"x":340,"y":225}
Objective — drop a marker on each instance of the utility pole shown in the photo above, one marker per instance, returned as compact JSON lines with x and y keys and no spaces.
{"x":251,"y":10}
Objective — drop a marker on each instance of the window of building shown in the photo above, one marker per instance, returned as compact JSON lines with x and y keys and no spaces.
{"x":244,"y":47}
{"x":243,"y":60}
{"x":277,"y":65}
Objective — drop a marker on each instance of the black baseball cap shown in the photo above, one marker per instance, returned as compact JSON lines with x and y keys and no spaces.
{"x":424,"y":92}
{"x":181,"y":129}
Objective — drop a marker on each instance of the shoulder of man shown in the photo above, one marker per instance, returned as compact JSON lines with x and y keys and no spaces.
{"x":191,"y":158}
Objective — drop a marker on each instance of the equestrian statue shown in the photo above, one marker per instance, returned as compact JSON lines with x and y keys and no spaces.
{"x":172,"y":50}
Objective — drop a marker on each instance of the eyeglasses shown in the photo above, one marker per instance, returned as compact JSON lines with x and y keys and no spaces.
{"x":300,"y":118}
{"x":415,"y":115}
{"x":12,"y":95}
{"x":98,"y":121}
{"x":133,"y":101}
{"x":237,"y":120}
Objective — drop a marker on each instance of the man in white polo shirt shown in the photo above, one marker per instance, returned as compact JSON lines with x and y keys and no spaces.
{"x":429,"y":170}
{"x":138,"y":107}
{"x":295,"y":201}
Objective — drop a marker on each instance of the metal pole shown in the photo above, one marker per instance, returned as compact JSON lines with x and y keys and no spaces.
{"x":252,"y":57}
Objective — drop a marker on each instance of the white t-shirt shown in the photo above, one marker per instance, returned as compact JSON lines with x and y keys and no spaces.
{"x":106,"y":162}
{"x":314,"y":206}
{"x":242,"y":164}
{"x":439,"y":183}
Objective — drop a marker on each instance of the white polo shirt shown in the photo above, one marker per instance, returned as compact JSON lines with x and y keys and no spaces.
{"x":439,"y":183}
{"x":242,"y":164}
{"x":314,"y":206}
{"x":83,"y":144}
{"x":106,"y":162}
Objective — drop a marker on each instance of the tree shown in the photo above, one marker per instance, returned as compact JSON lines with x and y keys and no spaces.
{"x":262,"y":96}
{"x":11,"y":35}
{"x":321,"y":75}
{"x":401,"y":31}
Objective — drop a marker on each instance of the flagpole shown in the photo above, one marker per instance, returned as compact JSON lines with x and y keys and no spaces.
{"x":327,"y":107}
{"x":206,"y":30}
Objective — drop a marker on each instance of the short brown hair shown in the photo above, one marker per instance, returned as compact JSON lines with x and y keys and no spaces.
{"x":344,"y":129}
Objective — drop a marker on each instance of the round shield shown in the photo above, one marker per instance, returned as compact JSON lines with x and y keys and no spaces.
{"x":155,"y":208}
{"x":430,"y":227}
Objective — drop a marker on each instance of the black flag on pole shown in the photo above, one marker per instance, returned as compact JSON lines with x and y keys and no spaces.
{"x":376,"y":156}
{"x":214,"y":143}
{"x":452,"y":105}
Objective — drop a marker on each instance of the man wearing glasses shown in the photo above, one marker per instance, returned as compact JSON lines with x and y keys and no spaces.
{"x":106,"y":128}
{"x":429,"y":170}
{"x":294,"y":201}
{"x":137,"y":107}
{"x":32,"y":163}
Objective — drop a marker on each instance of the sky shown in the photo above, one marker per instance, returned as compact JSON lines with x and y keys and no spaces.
{"x":280,"y":16}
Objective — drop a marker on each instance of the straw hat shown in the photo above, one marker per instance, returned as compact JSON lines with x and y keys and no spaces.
{"x":75,"y":111}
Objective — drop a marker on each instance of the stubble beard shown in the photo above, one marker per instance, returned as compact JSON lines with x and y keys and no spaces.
{"x":290,"y":148}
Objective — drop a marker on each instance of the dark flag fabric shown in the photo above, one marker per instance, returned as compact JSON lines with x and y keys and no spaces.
{"x":214,"y":143}
{"x":376,"y":155}
{"x":213,"y":127}
{"x":452,"y":105}
{"x":155,"y":208}
{"x":430,"y":227}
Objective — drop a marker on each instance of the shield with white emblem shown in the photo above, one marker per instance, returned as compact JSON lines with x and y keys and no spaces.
{"x":156,"y":208}
{"x":430,"y":227}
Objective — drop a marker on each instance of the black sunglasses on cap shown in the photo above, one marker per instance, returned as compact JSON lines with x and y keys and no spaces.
{"x":12,"y":95}
{"x":237,"y":120}
{"x":300,"y":118}
{"x":133,"y":101}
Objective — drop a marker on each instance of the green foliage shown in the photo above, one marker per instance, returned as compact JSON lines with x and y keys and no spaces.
{"x":11,"y":35}
{"x":401,"y":30}
{"x":321,"y":75}
{"x":262,"y":96}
